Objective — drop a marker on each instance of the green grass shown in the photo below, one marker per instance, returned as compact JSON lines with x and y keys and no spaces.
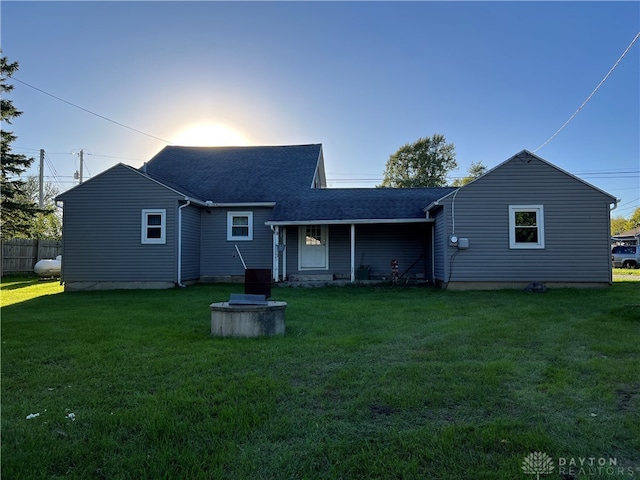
{"x":366,"y":383}
{"x":633,"y":272}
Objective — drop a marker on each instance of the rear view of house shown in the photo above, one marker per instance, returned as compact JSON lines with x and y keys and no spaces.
{"x":194,"y":214}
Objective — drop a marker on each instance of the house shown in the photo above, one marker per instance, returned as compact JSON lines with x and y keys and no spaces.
{"x":200,"y":214}
{"x":628,"y":237}
{"x":517,"y":223}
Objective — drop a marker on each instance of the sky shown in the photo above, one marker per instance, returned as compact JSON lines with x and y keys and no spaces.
{"x":122,"y":80}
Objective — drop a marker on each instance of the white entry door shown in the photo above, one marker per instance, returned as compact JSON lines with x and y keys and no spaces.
{"x":314,"y":247}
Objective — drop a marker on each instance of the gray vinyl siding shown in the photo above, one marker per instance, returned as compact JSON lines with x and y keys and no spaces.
{"x":190,"y":243}
{"x":102,"y":230}
{"x":576,"y":227}
{"x":375,"y":245}
{"x":291,"y":252}
{"x":218,"y":255}
{"x":339,"y":251}
{"x":440,"y":246}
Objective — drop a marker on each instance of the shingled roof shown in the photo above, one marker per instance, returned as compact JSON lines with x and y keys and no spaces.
{"x":236,"y":174}
{"x":282,"y":175}
{"x":338,"y":205}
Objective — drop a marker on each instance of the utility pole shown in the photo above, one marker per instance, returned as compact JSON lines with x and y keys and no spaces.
{"x":41,"y":181}
{"x":81,"y":162}
{"x":78,"y":175}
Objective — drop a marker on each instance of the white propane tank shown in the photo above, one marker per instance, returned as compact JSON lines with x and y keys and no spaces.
{"x":49,"y":267}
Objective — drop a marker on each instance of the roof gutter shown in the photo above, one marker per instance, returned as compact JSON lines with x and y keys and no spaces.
{"x":349,"y":221}
{"x":211,"y":204}
{"x":615,"y":204}
{"x":431,"y":206}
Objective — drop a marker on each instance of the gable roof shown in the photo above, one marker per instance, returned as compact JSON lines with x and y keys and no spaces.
{"x":523,"y":156}
{"x":356,"y":205}
{"x":527,"y":156}
{"x":238,"y":174}
{"x":119,"y":168}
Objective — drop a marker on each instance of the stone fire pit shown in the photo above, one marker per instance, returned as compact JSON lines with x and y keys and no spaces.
{"x":247,"y":316}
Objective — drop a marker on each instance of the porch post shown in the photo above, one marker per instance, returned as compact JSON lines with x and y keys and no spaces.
{"x":353,"y":253}
{"x":276,"y":253}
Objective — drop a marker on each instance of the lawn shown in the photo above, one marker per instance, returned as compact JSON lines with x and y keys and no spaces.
{"x":366,"y":383}
{"x":628,"y":272}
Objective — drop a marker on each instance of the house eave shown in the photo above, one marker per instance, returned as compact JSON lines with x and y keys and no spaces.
{"x":60,"y":197}
{"x":209,"y":204}
{"x":357,"y":221}
{"x":438,"y":203}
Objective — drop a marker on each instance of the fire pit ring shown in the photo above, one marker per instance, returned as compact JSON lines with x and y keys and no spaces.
{"x":247,"y":318}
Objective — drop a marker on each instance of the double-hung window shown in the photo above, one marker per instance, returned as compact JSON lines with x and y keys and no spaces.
{"x":239,"y":226}
{"x":154,"y":226}
{"x":526,"y":226}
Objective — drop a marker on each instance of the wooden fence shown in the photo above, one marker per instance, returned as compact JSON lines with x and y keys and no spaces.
{"x":20,"y":255}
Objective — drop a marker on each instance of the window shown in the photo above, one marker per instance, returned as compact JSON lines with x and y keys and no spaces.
{"x":313,"y":235}
{"x":239,"y":225}
{"x":526,"y":226}
{"x":154,"y":226}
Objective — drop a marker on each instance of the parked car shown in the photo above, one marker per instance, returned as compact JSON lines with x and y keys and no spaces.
{"x":625,"y":256}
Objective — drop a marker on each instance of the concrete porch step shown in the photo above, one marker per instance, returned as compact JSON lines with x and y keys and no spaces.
{"x":311,"y":278}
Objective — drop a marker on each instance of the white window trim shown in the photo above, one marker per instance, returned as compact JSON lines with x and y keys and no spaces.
{"x":241,"y":238}
{"x":539,"y":209}
{"x":144,"y":239}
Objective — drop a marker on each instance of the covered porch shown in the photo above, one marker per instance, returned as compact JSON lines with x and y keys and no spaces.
{"x":349,"y":234}
{"x":349,"y":252}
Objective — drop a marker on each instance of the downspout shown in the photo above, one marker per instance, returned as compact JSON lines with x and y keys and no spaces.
{"x":453,"y":212}
{"x":180,"y":284}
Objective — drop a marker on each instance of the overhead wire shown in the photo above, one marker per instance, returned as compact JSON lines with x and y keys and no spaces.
{"x":369,"y":180}
{"x":52,"y":169}
{"x":592,"y":174}
{"x":92,"y":113}
{"x":591,"y":94}
{"x":629,"y":202}
{"x":112,"y":156}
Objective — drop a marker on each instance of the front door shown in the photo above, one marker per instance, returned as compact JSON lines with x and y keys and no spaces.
{"x":313,"y":247}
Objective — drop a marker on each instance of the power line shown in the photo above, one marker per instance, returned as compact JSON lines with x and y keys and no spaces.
{"x":111,"y":156}
{"x":602,"y":174}
{"x":15,"y":148}
{"x":591,"y":94}
{"x":92,"y":113}
{"x":630,"y":202}
{"x":55,"y":174}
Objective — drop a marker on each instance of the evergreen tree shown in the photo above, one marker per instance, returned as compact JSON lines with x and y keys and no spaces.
{"x":17,"y":209}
